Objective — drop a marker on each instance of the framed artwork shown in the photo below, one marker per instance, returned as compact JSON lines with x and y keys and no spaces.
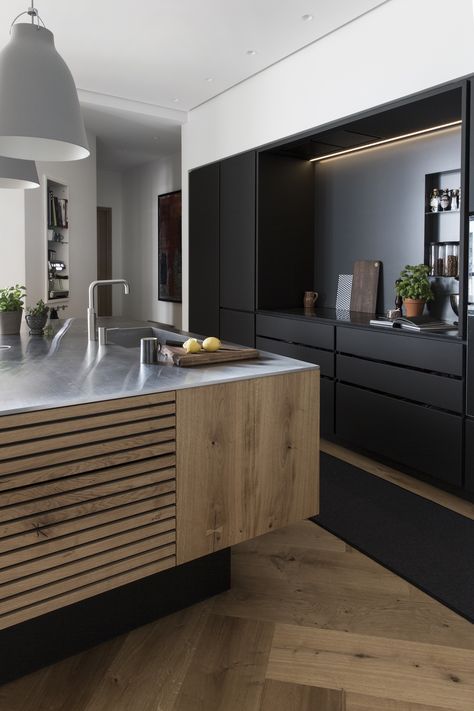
{"x":169,"y":247}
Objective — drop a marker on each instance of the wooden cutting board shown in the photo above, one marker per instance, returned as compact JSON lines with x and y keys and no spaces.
{"x":365,"y":285}
{"x":223,"y":355}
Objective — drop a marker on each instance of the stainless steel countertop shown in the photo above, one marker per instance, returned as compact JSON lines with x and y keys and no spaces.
{"x":39,"y":372}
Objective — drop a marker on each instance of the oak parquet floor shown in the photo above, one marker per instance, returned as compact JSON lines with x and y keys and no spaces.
{"x":310,"y":624}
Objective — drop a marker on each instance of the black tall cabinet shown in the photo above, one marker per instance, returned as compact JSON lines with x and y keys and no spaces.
{"x":222,"y":249}
{"x":204,"y":250}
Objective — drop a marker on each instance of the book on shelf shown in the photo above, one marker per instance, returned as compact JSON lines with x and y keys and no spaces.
{"x":415,"y":323}
{"x":57,"y":211}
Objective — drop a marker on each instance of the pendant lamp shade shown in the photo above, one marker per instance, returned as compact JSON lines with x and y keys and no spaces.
{"x":18,"y":174}
{"x":40,"y":116}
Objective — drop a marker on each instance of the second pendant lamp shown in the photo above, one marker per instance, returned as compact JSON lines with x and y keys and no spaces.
{"x":40,"y":115}
{"x":18,"y":174}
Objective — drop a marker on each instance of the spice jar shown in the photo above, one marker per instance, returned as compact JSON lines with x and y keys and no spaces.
{"x":437,"y":258}
{"x":451,"y":259}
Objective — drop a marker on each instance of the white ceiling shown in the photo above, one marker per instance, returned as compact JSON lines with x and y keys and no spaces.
{"x":162,"y":52}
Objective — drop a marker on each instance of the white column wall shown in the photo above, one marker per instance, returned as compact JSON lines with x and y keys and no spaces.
{"x":141,"y":187}
{"x":110,"y":194}
{"x":12,"y":238}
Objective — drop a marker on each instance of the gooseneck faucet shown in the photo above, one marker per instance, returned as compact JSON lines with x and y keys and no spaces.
{"x":91,"y":315}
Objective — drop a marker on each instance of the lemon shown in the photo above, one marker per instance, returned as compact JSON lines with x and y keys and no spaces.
{"x":211,"y":344}
{"x":192,"y":345}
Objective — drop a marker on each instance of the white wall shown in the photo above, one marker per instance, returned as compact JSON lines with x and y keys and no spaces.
{"x":398,"y":49}
{"x":12,"y":237}
{"x":80,"y":177}
{"x":141,"y":187}
{"x":110,"y":194}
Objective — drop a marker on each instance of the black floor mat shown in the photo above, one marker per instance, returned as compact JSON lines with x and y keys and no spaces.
{"x":428,"y":545}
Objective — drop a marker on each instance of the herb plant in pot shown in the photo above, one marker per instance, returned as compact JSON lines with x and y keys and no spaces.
{"x":415,"y":289}
{"x":11,"y":309}
{"x":36,"y":317}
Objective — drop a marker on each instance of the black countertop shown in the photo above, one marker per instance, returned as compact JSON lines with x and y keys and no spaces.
{"x":355,"y":319}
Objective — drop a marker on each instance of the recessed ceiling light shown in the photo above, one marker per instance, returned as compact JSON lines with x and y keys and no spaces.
{"x":307,"y":18}
{"x":210,"y":79}
{"x":176,"y":100}
{"x":251,"y":52}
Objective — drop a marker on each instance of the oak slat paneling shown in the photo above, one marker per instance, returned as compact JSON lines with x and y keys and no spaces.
{"x":114,"y":581}
{"x":43,"y":547}
{"x":28,"y":493}
{"x":20,"y":563}
{"x":76,"y":439}
{"x":69,"y":498}
{"x":76,"y":581}
{"x":46,"y":519}
{"x":85,"y":410}
{"x":139,"y":541}
{"x":91,"y":450}
{"x":53,"y":429}
{"x":55,"y":536}
{"x":87,"y":501}
{"x":81,"y":466}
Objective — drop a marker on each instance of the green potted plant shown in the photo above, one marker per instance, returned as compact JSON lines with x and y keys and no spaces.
{"x":36,"y":317}
{"x":415,"y":289}
{"x":11,"y":309}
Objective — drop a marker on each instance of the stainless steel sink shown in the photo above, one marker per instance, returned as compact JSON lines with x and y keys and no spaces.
{"x":130,"y":337}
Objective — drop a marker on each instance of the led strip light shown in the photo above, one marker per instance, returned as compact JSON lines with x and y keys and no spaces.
{"x":385,"y":141}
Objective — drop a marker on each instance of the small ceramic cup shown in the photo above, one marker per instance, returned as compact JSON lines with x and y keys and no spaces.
{"x":310,"y":298}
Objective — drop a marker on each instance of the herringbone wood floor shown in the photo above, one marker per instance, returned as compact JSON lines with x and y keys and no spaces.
{"x":309,"y":625}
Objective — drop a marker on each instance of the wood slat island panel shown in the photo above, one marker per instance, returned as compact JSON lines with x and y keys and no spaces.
{"x":87,"y":501}
{"x":247,"y":459}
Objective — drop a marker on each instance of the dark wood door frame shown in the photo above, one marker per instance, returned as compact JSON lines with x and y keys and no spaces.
{"x":104,"y":260}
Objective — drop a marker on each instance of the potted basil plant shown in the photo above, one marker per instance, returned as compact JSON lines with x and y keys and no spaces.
{"x":36,"y":317}
{"x":415,"y":289}
{"x":11,"y":309}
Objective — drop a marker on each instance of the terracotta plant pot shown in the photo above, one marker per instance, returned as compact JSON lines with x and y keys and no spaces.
{"x":10,"y":322}
{"x":414,"y":307}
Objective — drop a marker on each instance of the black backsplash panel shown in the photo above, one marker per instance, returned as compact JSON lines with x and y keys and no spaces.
{"x":371,"y":205}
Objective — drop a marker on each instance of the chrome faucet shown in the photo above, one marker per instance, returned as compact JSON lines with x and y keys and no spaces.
{"x":91,"y":315}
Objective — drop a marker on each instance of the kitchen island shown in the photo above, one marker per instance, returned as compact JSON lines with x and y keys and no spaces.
{"x":123,"y":486}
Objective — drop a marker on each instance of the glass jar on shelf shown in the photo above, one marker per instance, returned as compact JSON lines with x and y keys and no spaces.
{"x":436,"y":259}
{"x":451,"y":259}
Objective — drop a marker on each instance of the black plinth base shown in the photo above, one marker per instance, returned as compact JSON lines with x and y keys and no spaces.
{"x":59,"y":634}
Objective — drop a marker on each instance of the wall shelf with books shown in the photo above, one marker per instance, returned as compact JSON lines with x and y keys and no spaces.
{"x":57,"y":241}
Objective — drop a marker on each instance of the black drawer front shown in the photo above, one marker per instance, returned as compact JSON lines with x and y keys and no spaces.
{"x":436,"y":390}
{"x":469,"y":482}
{"x":327,"y":407}
{"x":325,"y":359}
{"x":306,"y":333}
{"x":238,"y":327}
{"x":425,"y":440}
{"x":411,"y":350}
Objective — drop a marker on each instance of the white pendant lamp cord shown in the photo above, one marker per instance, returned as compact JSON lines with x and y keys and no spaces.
{"x":33,"y":13}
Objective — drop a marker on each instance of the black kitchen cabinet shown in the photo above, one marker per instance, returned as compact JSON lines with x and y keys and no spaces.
{"x":327,"y":407}
{"x":204,"y":250}
{"x":427,"y":388}
{"x":418,"y":437}
{"x":237,"y":232}
{"x":238,"y":327}
{"x":439,"y":355}
{"x":469,"y":464}
{"x":471,"y":146}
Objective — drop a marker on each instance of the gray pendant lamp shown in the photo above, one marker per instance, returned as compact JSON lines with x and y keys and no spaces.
{"x":40,"y":116}
{"x":18,"y":174}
